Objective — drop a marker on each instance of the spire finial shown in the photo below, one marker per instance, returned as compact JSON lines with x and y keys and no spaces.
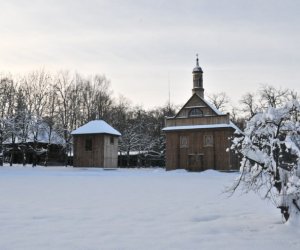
{"x":197,"y":60}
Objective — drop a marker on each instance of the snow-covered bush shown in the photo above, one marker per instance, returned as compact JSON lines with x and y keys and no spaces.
{"x":270,"y":150}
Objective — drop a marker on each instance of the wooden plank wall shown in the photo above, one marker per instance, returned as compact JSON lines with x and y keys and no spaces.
{"x":214,"y":157}
{"x":205,"y":120}
{"x":110,"y":151}
{"x":83,"y":158}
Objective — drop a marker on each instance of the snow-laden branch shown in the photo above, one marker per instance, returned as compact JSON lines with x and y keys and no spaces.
{"x":271,"y":156}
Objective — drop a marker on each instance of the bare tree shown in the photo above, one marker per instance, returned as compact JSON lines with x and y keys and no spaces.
{"x":66,"y":103}
{"x":49,"y":120}
{"x":219,"y":100}
{"x":103,"y":102}
{"x":38,"y":83}
{"x":22,"y":120}
{"x":7,"y":98}
{"x":249,"y":105}
{"x":270,"y":96}
{"x":96,"y":97}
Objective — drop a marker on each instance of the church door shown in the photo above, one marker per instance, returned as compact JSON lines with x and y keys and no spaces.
{"x":195,"y":162}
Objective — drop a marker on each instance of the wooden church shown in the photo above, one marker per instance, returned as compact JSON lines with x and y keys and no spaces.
{"x":197,"y":137}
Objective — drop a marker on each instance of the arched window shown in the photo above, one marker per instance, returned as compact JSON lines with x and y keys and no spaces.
{"x":195,"y":112}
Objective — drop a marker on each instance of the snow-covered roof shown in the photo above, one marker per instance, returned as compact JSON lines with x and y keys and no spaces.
{"x":218,"y":112}
{"x":208,"y":104}
{"x":133,"y":152}
{"x":235,"y":127}
{"x":96,"y":127}
{"x":223,"y":125}
{"x":43,"y":136}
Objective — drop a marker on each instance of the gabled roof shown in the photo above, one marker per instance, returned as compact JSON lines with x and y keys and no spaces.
{"x":96,"y":127}
{"x":209,"y":105}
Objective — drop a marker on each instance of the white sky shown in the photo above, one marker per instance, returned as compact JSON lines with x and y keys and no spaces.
{"x":140,"y":44}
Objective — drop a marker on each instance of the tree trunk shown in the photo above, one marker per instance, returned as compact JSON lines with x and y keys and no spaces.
{"x":11,"y":157}
{"x":1,"y":147}
{"x":24,"y":157}
{"x":128,"y":158}
{"x":47,"y":155}
{"x":66,"y":155}
{"x":285,"y":212}
{"x":34,"y":160}
{"x":1,"y":154}
{"x":23,"y":152}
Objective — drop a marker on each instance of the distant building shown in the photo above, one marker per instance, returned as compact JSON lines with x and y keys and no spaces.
{"x":46,"y":149}
{"x":95,"y":144}
{"x":198,"y":135}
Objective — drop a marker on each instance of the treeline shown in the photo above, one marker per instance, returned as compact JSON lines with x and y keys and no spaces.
{"x":53,"y":105}
{"x":252,"y":103}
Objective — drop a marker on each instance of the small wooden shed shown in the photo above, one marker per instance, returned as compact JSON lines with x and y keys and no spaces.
{"x":95,"y":144}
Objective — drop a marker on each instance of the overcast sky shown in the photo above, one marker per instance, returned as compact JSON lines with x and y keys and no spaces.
{"x":141,"y":46}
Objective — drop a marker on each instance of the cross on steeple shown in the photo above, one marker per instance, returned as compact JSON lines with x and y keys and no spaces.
{"x":198,"y":79}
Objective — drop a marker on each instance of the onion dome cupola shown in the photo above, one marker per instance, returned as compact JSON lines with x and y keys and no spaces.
{"x":198,"y":79}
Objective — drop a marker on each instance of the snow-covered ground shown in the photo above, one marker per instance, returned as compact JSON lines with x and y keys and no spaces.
{"x":68,"y":208}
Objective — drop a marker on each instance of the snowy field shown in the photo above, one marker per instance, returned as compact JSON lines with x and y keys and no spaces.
{"x":68,"y":208}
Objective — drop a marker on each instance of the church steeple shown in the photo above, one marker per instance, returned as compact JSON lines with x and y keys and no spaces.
{"x":198,"y":79}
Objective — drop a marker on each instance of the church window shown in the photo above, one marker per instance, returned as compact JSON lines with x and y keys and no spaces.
{"x":184,"y":141}
{"x":208,"y":140}
{"x":195,"y":112}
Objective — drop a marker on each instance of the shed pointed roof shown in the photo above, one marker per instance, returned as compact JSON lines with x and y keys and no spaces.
{"x":96,"y":127}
